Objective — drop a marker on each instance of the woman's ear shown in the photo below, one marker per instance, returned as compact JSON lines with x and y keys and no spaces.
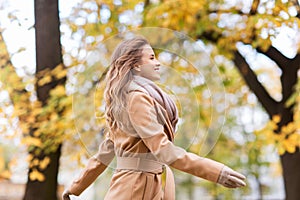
{"x":137,"y":68}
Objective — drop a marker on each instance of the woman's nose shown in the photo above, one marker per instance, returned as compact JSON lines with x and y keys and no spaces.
{"x":157,"y":63}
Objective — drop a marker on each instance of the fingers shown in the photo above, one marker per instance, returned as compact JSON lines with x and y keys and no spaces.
{"x":231,"y":179}
{"x":238,"y":182}
{"x":229,"y":185}
{"x":236,"y":174}
{"x":233,"y":183}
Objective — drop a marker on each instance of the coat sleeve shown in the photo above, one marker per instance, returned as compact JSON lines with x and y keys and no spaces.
{"x":143,"y":117}
{"x":96,"y":165}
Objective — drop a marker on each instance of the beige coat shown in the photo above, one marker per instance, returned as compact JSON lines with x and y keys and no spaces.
{"x":146,"y":133}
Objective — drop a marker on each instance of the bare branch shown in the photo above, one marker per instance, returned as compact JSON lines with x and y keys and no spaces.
{"x":297,"y":60}
{"x":250,"y":78}
{"x":276,"y":56}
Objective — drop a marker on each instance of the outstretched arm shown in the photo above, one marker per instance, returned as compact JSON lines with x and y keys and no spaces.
{"x":96,"y":165}
{"x":143,"y":117}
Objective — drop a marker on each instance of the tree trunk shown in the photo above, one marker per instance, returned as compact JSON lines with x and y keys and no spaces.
{"x":291,"y":174}
{"x":46,"y":190}
{"x":48,"y":55}
{"x":290,"y":162}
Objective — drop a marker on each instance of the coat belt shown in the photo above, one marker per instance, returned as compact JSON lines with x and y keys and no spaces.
{"x":152,"y":166}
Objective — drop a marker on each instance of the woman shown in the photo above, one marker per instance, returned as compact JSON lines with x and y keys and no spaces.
{"x":141,"y":120}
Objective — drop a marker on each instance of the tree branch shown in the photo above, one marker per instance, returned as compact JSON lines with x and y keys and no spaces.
{"x":297,"y":5}
{"x":254,"y":7}
{"x":210,"y":36}
{"x":255,"y":86}
{"x":276,"y":56}
{"x":296,"y":59}
{"x":289,"y":78}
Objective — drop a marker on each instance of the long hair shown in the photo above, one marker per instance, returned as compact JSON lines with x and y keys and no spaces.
{"x":126,"y":56}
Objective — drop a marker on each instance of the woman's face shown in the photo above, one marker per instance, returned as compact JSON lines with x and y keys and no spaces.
{"x":149,"y":65}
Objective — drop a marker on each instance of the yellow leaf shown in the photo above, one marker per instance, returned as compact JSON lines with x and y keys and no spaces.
{"x":6,"y":174}
{"x":61,"y":74}
{"x":289,"y":146}
{"x":290,"y":128}
{"x":35,"y":162}
{"x":281,"y":149}
{"x":58,"y":91}
{"x":36,"y":111}
{"x":36,"y":175}
{"x":37,"y":133}
{"x":276,"y":118}
{"x":44,"y":163}
{"x":32,"y":141}
{"x":60,"y":125}
{"x":53,"y":116}
{"x":46,"y":79}
{"x":59,"y":71}
{"x":291,"y":149}
{"x":29,"y":157}
{"x":189,"y":19}
{"x":25,"y":127}
{"x":30,"y":119}
{"x":294,"y":139}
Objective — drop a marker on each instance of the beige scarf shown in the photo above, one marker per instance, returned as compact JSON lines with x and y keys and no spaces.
{"x":160,"y":96}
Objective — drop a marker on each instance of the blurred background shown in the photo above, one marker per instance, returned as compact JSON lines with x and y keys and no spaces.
{"x":231,"y":65}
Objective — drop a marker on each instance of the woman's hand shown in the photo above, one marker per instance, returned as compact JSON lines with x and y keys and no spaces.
{"x":230,"y":178}
{"x":65,"y":195}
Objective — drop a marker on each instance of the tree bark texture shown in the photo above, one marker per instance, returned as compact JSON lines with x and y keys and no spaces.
{"x":48,"y":56}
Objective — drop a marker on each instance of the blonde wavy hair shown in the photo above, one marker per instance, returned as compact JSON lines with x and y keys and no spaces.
{"x":126,"y":56}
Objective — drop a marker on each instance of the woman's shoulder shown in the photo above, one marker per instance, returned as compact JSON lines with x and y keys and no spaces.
{"x":136,"y":91}
{"x":134,"y":87}
{"x":138,"y":97}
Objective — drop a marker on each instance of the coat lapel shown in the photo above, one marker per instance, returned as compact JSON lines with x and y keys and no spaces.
{"x":162,"y":115}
